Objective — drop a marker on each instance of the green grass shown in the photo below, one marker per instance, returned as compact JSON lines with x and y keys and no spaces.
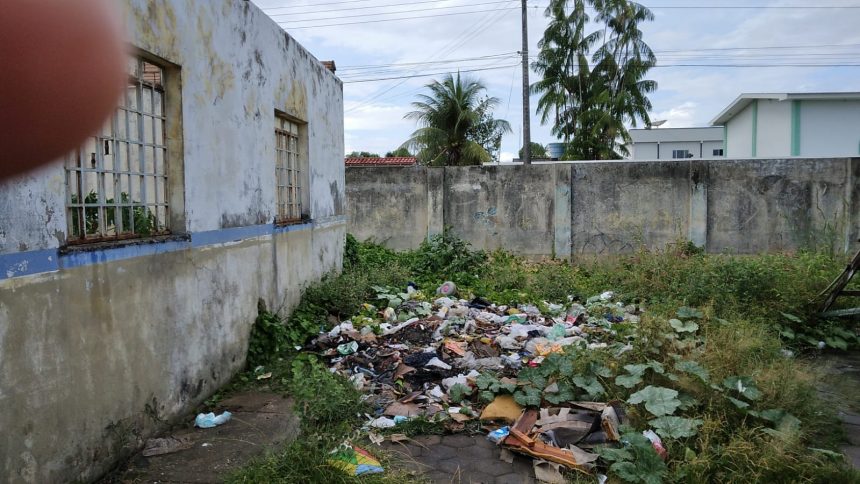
{"x":742,"y":333}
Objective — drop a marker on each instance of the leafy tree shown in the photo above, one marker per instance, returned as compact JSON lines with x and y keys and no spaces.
{"x":488,"y":132}
{"x":538,"y":150}
{"x":450,"y":118}
{"x":362,"y":154}
{"x":590,"y":98}
{"x":398,"y":152}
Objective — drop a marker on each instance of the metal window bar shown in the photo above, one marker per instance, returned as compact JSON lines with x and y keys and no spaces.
{"x":288,"y":171}
{"x":127,"y":196}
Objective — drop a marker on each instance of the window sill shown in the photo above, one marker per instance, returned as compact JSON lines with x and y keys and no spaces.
{"x":288,"y":223}
{"x":79,"y":247}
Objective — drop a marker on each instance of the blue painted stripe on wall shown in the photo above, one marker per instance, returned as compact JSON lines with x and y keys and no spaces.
{"x":233,"y":234}
{"x":48,"y":260}
{"x":28,"y":263}
{"x":292,"y":228}
{"x":89,"y":257}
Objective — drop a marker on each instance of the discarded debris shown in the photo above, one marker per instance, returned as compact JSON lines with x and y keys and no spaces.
{"x":457,"y":360}
{"x":504,"y":408}
{"x":166,"y":445}
{"x":209,"y":420}
{"x":355,"y":461}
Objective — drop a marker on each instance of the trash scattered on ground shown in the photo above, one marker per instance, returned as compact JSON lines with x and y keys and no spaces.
{"x":656,"y":442}
{"x":457,"y":360}
{"x":209,"y":420}
{"x":261,"y":373}
{"x":166,"y":445}
{"x":548,"y":472}
{"x":355,"y":461}
{"x":562,"y":434}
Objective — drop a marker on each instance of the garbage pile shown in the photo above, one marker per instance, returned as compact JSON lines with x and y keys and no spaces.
{"x":418,"y":356}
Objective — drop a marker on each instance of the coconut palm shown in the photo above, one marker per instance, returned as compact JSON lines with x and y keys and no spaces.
{"x":447,"y":117}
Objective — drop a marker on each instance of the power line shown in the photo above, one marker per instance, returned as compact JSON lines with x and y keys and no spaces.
{"x":430,"y":74}
{"x":759,"y":48}
{"x":752,"y":7}
{"x":385,"y":6}
{"x":657,"y":66}
{"x":451,"y":47}
{"x":319,"y":4}
{"x":493,"y":10}
{"x":364,"y":66}
{"x":672,"y":7}
{"x":758,"y":65}
{"x":395,"y":19}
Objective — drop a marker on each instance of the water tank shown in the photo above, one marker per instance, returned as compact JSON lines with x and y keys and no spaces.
{"x":556,"y":150}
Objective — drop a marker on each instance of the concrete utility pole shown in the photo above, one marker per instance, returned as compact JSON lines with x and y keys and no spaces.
{"x":527,"y":136}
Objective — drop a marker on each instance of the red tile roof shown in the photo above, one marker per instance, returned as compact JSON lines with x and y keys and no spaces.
{"x":390,"y":161}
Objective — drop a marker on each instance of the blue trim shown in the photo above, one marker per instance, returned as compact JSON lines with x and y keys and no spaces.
{"x":112,"y":254}
{"x":233,"y":234}
{"x":29,"y":262}
{"x":49,"y":260}
{"x":282,"y":229}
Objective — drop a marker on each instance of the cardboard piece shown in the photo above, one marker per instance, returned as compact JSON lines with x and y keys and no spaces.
{"x":504,"y":407}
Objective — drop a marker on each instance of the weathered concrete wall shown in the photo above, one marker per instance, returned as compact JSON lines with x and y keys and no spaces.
{"x":617,"y":206}
{"x":100,"y":346}
{"x":772,"y":205}
{"x":392,"y":207}
{"x":498,"y":207}
{"x":585,"y":208}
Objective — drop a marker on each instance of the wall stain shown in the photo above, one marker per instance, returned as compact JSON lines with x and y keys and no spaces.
{"x":222,"y":78}
{"x":297,"y":103}
{"x":156,"y":29}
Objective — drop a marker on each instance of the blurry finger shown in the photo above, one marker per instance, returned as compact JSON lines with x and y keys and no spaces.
{"x":63,"y":72}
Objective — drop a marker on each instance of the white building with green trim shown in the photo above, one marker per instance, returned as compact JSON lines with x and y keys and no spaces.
{"x":776,"y":125}
{"x":702,"y":143}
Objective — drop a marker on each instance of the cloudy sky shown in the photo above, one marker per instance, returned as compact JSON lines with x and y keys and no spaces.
{"x":689,"y":37}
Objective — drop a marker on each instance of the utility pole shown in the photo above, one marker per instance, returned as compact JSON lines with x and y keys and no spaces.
{"x":527,"y":137}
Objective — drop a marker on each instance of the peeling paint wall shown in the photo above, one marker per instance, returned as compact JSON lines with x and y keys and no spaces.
{"x":101,"y":347}
{"x":587,"y":208}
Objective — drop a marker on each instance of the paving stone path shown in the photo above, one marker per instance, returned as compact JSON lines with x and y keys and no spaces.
{"x":844,"y":369}
{"x":260,"y":421}
{"x":461,"y":459}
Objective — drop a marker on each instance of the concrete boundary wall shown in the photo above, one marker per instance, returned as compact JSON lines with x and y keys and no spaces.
{"x":588,"y":208}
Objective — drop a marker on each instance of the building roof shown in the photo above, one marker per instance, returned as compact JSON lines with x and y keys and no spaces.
{"x":745,"y":99}
{"x":666,"y":135}
{"x":387,"y":161}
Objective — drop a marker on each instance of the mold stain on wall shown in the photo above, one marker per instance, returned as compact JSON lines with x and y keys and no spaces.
{"x":222,"y":78}
{"x":156,"y":29}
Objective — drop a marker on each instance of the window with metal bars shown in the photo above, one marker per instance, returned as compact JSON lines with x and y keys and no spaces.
{"x":290,"y":168}
{"x":117,"y":181}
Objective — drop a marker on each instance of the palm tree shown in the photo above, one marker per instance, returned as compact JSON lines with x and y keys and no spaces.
{"x":591,"y":105}
{"x":446,"y":117}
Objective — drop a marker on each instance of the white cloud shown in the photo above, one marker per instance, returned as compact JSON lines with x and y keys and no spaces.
{"x":680,"y":116}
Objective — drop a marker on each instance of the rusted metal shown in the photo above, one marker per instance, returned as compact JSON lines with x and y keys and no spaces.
{"x":115,"y":238}
{"x":123,"y":176}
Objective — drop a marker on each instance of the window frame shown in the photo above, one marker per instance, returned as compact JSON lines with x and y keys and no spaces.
{"x":720,"y":150}
{"x":675,"y":154}
{"x":292,"y":169}
{"x":146,"y":151}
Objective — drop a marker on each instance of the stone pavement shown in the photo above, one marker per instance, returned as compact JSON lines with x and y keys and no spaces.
{"x":460,"y":459}
{"x":260,"y":421}
{"x":843,"y":388}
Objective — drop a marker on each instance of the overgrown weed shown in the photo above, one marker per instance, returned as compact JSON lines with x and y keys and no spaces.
{"x":752,"y":308}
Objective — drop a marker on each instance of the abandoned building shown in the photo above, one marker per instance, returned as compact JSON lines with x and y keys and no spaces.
{"x":130,"y":271}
